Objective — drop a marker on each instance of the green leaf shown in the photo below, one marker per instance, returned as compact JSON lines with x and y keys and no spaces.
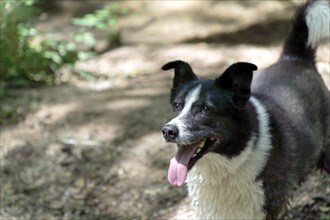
{"x":85,"y":55}
{"x":54,"y":56}
{"x":102,"y":13}
{"x":86,"y":38}
{"x":70,"y":46}
{"x":29,"y":2}
{"x":112,"y":21}
{"x":101,"y":26}
{"x":324,"y":209}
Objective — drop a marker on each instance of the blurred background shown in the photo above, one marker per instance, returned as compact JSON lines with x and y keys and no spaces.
{"x":83,"y":100}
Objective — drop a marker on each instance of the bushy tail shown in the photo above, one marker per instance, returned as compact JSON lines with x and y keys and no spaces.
{"x":310,"y":25}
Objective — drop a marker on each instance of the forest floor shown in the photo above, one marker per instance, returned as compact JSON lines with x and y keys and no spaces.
{"x":94,"y":150}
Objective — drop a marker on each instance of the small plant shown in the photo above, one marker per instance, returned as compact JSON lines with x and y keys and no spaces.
{"x":27,"y":58}
{"x":102,"y":20}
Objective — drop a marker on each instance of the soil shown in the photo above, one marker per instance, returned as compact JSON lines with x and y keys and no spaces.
{"x":94,"y":150}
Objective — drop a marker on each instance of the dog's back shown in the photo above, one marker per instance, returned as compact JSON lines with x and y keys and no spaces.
{"x":299,"y":104}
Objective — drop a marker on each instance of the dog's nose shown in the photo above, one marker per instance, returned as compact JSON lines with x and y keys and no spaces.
{"x":170,"y":132}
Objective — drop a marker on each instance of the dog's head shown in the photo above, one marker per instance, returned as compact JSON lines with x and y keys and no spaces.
{"x":210,"y":115}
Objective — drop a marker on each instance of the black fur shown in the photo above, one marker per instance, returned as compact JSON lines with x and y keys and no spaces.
{"x":182,"y":73}
{"x":237,"y":78}
{"x":299,"y":104}
{"x":296,"y":42}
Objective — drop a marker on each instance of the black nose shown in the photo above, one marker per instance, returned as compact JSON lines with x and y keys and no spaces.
{"x":170,"y":132}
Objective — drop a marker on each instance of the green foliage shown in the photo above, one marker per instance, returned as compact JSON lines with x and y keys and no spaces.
{"x":101,"y":20}
{"x":27,"y":57}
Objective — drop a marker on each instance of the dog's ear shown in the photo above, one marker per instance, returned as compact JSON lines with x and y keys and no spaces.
{"x":182,"y":72}
{"x":237,"y":78}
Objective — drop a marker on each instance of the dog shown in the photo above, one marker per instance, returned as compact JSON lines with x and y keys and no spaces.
{"x":246,"y":140}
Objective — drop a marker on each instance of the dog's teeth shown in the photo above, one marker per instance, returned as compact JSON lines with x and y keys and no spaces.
{"x":212,"y":139}
{"x":194,"y":155}
{"x":198,"y":150}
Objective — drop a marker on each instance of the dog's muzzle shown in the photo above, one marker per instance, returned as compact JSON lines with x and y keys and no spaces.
{"x":170,"y":132}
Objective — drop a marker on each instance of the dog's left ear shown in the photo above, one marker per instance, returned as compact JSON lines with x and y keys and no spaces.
{"x":237,"y":78}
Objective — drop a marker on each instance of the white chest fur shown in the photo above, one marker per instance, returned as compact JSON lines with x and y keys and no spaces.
{"x":222,"y":188}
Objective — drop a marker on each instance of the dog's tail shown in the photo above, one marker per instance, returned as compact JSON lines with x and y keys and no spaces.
{"x":310,"y":25}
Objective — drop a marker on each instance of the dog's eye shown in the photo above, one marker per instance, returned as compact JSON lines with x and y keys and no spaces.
{"x":177,"y":106}
{"x":206,"y":109}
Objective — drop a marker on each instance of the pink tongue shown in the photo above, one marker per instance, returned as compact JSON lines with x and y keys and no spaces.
{"x":178,"y":168}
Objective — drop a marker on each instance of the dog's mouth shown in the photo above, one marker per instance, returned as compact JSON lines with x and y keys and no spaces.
{"x":185,"y":158}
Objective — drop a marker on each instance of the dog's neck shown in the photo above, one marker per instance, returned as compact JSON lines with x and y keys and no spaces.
{"x":222,"y":187}
{"x":248,"y":119}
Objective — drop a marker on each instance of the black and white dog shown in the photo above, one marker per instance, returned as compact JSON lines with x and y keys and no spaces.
{"x":244,"y":145}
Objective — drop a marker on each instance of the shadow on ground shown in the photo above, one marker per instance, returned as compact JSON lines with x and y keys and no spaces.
{"x":103,"y":158}
{"x":255,"y":34}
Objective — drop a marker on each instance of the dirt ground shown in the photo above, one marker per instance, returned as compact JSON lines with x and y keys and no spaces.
{"x":94,"y":150}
